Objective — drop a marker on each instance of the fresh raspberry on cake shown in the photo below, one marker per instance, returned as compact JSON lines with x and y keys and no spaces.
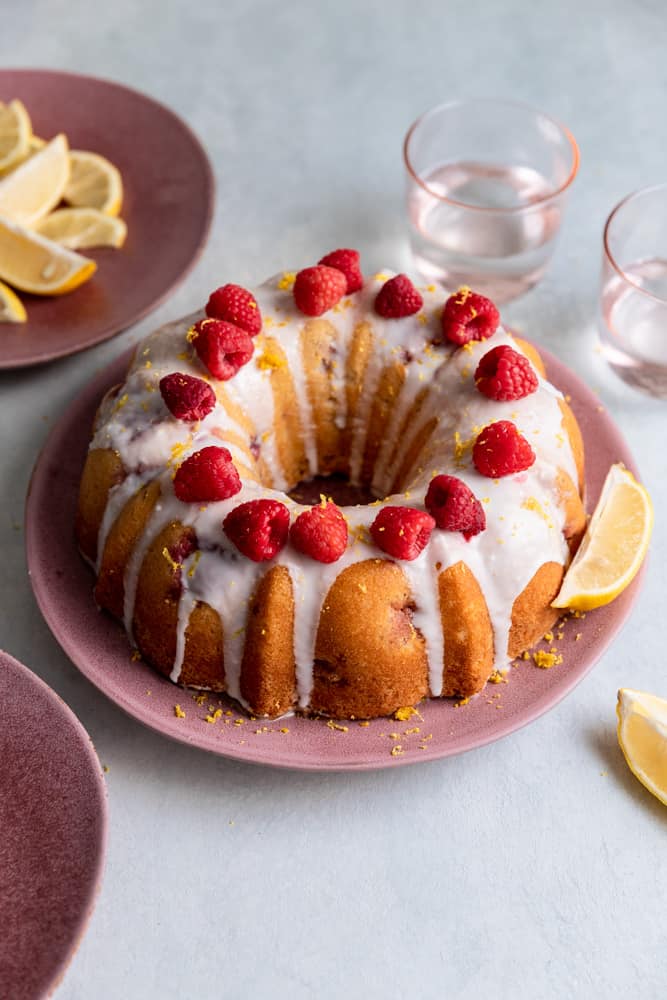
{"x":501,"y":450}
{"x":454,"y":506}
{"x":504,"y":374}
{"x":258,"y":528}
{"x":346,"y":261}
{"x":235,"y":305}
{"x":402,"y":532}
{"x":320,"y":532}
{"x":223,"y":347}
{"x":468,"y":316}
{"x":318,"y":289}
{"x":207,"y":476}
{"x":187,"y":397}
{"x":398,"y":297}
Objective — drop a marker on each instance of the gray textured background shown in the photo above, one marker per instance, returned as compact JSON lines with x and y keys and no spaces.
{"x":532,"y":868}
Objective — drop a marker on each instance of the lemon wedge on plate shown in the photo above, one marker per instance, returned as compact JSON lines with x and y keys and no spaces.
{"x":94,"y":183}
{"x":15,"y":133}
{"x":11,"y":308}
{"x":34,"y":264}
{"x":613,"y":547}
{"x":78,"y":228}
{"x":642,"y":735}
{"x":36,"y":186}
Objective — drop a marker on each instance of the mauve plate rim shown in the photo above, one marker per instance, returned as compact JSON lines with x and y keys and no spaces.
{"x":618,"y":612}
{"x":113,"y":328}
{"x":90,"y":760}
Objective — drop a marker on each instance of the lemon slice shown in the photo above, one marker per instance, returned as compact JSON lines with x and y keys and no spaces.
{"x":94,"y":183}
{"x":36,"y":186}
{"x":34,"y":264}
{"x":642,"y":734}
{"x":15,"y":132}
{"x":613,"y":547}
{"x":12,"y":309}
{"x":78,"y":228}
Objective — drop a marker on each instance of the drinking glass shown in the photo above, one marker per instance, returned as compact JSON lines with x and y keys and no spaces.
{"x":486,"y":188}
{"x":632,"y":319}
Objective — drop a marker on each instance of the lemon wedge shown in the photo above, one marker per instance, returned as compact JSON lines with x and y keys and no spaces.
{"x":94,"y":183}
{"x":642,"y":735}
{"x":613,"y":547}
{"x":37,"y":185}
{"x":12,"y":309}
{"x":77,"y":228}
{"x":34,"y":264}
{"x":15,"y":133}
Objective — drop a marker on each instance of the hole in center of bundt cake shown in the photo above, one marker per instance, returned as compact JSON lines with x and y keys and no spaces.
{"x":336,"y":486}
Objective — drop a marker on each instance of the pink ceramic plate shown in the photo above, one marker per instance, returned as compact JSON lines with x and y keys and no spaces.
{"x":98,"y":646}
{"x":168,"y":190}
{"x":53,"y":829}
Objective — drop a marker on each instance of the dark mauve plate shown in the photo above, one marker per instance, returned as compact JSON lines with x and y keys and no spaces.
{"x":53,"y":831}
{"x":168,"y":203}
{"x":97,"y":644}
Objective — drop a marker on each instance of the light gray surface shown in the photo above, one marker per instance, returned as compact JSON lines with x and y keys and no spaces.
{"x":535,"y":867}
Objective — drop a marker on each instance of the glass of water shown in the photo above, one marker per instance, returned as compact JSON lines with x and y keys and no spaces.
{"x":486,"y":186}
{"x":632,"y":319}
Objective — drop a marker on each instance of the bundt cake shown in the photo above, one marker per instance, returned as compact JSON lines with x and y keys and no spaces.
{"x":471,"y":462}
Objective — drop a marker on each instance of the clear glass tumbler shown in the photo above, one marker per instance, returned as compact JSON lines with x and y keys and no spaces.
{"x":632,"y":319}
{"x":486,"y":185}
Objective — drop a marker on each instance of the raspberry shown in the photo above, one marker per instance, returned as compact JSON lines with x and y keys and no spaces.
{"x":318,"y":289}
{"x":501,"y":450}
{"x":206,"y":476}
{"x":402,"y":532}
{"x":258,"y":528}
{"x":468,"y":316}
{"x":223,"y":347}
{"x":187,"y":397}
{"x":346,"y":261}
{"x":454,"y":506}
{"x":235,"y":305}
{"x":320,"y":532}
{"x":398,"y":297}
{"x":504,"y":374}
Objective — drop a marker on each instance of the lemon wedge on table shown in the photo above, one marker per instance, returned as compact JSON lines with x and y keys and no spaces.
{"x":94,"y":183}
{"x":36,"y":185}
{"x":642,"y":735}
{"x":12,"y":309}
{"x":78,"y":228}
{"x":34,"y":264}
{"x":15,"y":133}
{"x":613,"y":547}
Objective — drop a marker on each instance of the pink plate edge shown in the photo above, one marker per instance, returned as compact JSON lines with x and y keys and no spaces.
{"x":568,"y":679}
{"x":90,"y":754}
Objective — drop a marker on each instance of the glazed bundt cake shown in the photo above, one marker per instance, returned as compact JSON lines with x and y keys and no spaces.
{"x":471,"y":460}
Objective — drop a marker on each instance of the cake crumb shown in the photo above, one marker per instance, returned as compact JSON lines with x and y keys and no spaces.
{"x":334,"y":725}
{"x":397,"y":751}
{"x":577,"y":637}
{"x":178,"y":712}
{"x":136,"y":655}
{"x":498,"y":678}
{"x":364,"y":723}
{"x":213,"y":717}
{"x":411,"y":732}
{"x":284,"y":729}
{"x":546,"y":660}
{"x":405,"y":714}
{"x":548,"y":637}
{"x":463,"y":701}
{"x":105,"y":768}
